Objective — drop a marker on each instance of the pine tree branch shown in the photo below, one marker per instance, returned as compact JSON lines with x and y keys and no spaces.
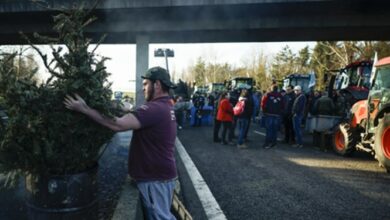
{"x":58,"y":58}
{"x":99,"y":42}
{"x":43,"y":56}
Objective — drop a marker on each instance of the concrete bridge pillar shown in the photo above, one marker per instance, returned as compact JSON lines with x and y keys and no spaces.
{"x":142,"y":64}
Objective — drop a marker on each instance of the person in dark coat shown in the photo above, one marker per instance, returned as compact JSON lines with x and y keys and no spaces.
{"x":272,"y":106}
{"x":250,"y":111}
{"x":288,"y":100}
{"x":298,"y":111}
{"x":243,"y":118}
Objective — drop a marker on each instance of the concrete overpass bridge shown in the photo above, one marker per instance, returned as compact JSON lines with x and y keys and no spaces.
{"x":186,"y":21}
{"x":189,"y":21}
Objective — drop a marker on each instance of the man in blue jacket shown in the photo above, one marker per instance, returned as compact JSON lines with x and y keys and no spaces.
{"x":298,"y":110}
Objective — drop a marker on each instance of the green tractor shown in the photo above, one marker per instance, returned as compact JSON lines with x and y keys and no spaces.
{"x":369,"y":126}
{"x":296,"y":79}
{"x":217,"y":87}
{"x":236,"y":85}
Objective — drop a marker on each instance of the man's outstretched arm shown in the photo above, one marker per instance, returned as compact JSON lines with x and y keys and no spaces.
{"x":126,"y":122}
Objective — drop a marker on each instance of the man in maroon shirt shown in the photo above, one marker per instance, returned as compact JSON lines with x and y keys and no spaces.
{"x":151,"y":160}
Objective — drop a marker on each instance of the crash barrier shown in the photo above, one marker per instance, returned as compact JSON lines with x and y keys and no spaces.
{"x":322,"y":127}
{"x":179,"y":209}
{"x":206,"y":114}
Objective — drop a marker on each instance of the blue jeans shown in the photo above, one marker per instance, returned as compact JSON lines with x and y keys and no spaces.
{"x":242,"y":125}
{"x":272,"y":125}
{"x":157,"y":199}
{"x":255,"y":113}
{"x":297,"y":121}
{"x":262,"y":121}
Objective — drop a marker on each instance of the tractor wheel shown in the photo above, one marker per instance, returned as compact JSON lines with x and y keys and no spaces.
{"x":382,"y":141}
{"x":343,"y":140}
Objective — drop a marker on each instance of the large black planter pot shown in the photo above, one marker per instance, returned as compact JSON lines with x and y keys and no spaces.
{"x":63,"y":196}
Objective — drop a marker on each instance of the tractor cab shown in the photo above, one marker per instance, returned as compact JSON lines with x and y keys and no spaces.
{"x":354,"y":81}
{"x":379,"y":96}
{"x":297,"y":79}
{"x":236,"y":85}
{"x":240,"y":83}
{"x":217,"y":87}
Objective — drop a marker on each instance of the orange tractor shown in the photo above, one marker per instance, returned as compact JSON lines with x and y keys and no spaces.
{"x":368,"y":128}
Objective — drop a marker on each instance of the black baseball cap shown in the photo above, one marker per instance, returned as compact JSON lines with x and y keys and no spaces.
{"x":159,"y":73}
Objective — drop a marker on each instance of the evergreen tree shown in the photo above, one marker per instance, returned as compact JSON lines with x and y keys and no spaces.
{"x":302,"y":60}
{"x":199,"y":72}
{"x":283,"y":64}
{"x":42,"y":136}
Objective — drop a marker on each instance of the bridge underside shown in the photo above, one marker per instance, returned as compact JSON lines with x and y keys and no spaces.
{"x":261,"y":22}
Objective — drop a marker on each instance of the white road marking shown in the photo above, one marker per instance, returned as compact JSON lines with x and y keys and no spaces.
{"x":261,"y":133}
{"x":210,"y":205}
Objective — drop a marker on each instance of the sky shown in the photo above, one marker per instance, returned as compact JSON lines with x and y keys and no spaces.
{"x":122,"y":63}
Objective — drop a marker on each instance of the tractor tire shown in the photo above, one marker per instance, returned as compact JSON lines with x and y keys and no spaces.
{"x":382,"y":141}
{"x":343,"y":140}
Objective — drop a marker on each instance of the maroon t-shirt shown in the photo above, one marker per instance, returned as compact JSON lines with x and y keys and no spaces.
{"x":152,"y":146}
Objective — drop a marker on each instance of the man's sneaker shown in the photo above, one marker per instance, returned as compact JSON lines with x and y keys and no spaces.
{"x":242,"y":146}
{"x":180,"y":127}
{"x":267,"y":146}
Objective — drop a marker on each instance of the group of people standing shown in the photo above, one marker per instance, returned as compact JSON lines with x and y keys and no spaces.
{"x":277,"y":106}
{"x":288,"y":108}
{"x":231,"y":113}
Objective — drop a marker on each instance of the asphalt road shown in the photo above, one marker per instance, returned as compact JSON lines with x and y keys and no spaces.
{"x":288,"y":183}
